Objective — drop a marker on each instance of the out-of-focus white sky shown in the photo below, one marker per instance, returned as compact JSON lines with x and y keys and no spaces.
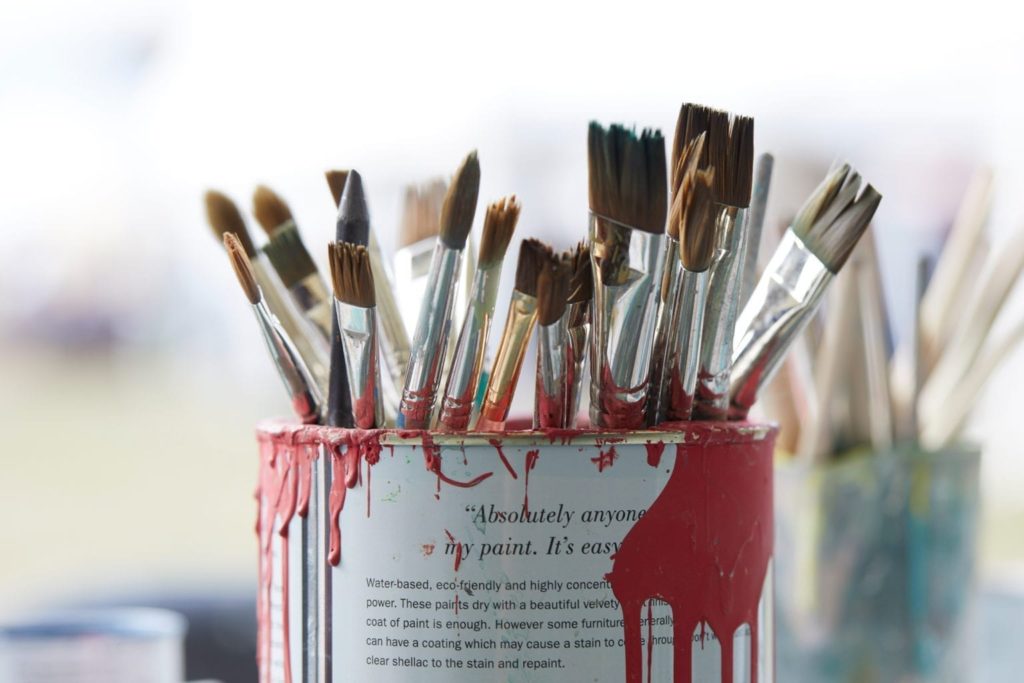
{"x":115,"y":115}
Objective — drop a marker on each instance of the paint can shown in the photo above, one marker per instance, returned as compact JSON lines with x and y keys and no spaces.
{"x":875,"y":571}
{"x":558,"y":555}
{"x":119,"y":645}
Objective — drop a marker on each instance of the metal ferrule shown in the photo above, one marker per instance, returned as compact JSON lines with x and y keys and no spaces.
{"x":551,"y":406}
{"x":668,"y":311}
{"x":394,"y":337}
{"x":313,"y":349}
{"x":712,"y":398}
{"x":522,"y":314}
{"x":431,"y":339}
{"x":358,"y":329}
{"x":457,"y":403}
{"x":683,"y":352}
{"x":578,"y":337}
{"x":779,"y":308}
{"x":311,"y":296}
{"x":307,"y":401}
{"x":627,"y":275}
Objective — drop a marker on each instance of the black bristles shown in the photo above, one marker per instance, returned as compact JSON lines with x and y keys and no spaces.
{"x":628,"y":176}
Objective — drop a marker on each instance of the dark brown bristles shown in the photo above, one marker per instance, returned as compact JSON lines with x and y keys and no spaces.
{"x":581,"y":288}
{"x":686,"y":165}
{"x":224,"y":217}
{"x":460,"y":203}
{"x":553,"y":290}
{"x":533,"y":255}
{"x":627,"y":176}
{"x":697,"y":230}
{"x":243,"y":268}
{"x":499,"y":224}
{"x":693,"y":120}
{"x":270,"y":210}
{"x":351,"y":275}
{"x":289,"y":256}
{"x":421,"y":213}
{"x":336,"y":182}
{"x":741,"y":163}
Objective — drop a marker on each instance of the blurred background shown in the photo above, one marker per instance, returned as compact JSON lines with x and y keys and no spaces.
{"x":132,"y":374}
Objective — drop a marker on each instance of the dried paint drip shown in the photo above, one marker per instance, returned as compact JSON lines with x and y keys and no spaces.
{"x":716,"y":510}
{"x":531,"y":461}
{"x":501,"y":454}
{"x":605,"y":459}
{"x":654,"y":452}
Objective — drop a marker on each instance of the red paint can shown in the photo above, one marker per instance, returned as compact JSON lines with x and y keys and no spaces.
{"x":566,"y":555}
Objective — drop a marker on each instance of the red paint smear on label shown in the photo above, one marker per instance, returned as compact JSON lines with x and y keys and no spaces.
{"x":605,"y":459}
{"x":458,"y":549}
{"x":531,"y":461}
{"x":428,"y":549}
{"x":717,"y":510}
{"x":654,"y":452}
{"x":504,"y":461}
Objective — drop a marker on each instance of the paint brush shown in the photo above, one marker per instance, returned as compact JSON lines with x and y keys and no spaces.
{"x":695,"y":256}
{"x":302,"y":389}
{"x":417,"y":237}
{"x":581,"y":294}
{"x":355,"y":303}
{"x":291,"y":259}
{"x":224,"y":217}
{"x":755,"y":222}
{"x":534,"y":255}
{"x":552,"y":405}
{"x":432,"y":329}
{"x":731,"y":153}
{"x":394,"y":337}
{"x":814,"y":248}
{"x":628,"y":205}
{"x":464,"y":375}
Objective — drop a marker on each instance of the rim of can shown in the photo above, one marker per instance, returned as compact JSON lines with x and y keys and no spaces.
{"x":122,"y":622}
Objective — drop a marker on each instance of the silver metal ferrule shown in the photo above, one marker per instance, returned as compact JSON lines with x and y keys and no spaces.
{"x":712,"y":393}
{"x":358,"y":329}
{"x":780,"y":306}
{"x":683,"y":352}
{"x":627,"y":274}
{"x":431,"y":340}
{"x":312,"y":347}
{"x":668,"y":313}
{"x":307,"y":401}
{"x":551,"y":406}
{"x":578,"y":338}
{"x":311,"y":296}
{"x":467,"y":363}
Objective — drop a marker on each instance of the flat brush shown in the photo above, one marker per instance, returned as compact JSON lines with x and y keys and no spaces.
{"x":224,"y":217}
{"x":302,"y":389}
{"x":291,"y":259}
{"x":581,"y":294}
{"x":394,"y":337}
{"x":417,"y":237}
{"x":812,"y":251}
{"x":695,"y":256}
{"x":432,"y":329}
{"x":534,"y":255}
{"x":628,"y":206}
{"x":467,"y":364}
{"x":355,"y":303}
{"x":552,"y":402}
{"x":731,"y":153}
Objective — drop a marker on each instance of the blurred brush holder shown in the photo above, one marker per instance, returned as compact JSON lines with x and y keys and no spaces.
{"x":875,"y":566}
{"x":557,"y":555}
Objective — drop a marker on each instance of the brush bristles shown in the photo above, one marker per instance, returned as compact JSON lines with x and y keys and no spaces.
{"x":460,"y":203}
{"x":336,"y":180}
{"x":553,"y":290}
{"x":533,"y":254}
{"x":499,"y":224}
{"x":834,"y":217}
{"x":351,"y":275}
{"x":741,"y":163}
{"x":289,"y":256}
{"x":581,"y":287}
{"x":697,"y":230}
{"x":693,"y":120}
{"x":243,"y":268}
{"x":224,"y":217}
{"x":421,"y":213}
{"x":627,"y":176}
{"x":686,"y":166}
{"x":270,"y":210}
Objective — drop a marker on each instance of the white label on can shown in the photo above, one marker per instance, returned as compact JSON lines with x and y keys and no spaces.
{"x":503,"y":580}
